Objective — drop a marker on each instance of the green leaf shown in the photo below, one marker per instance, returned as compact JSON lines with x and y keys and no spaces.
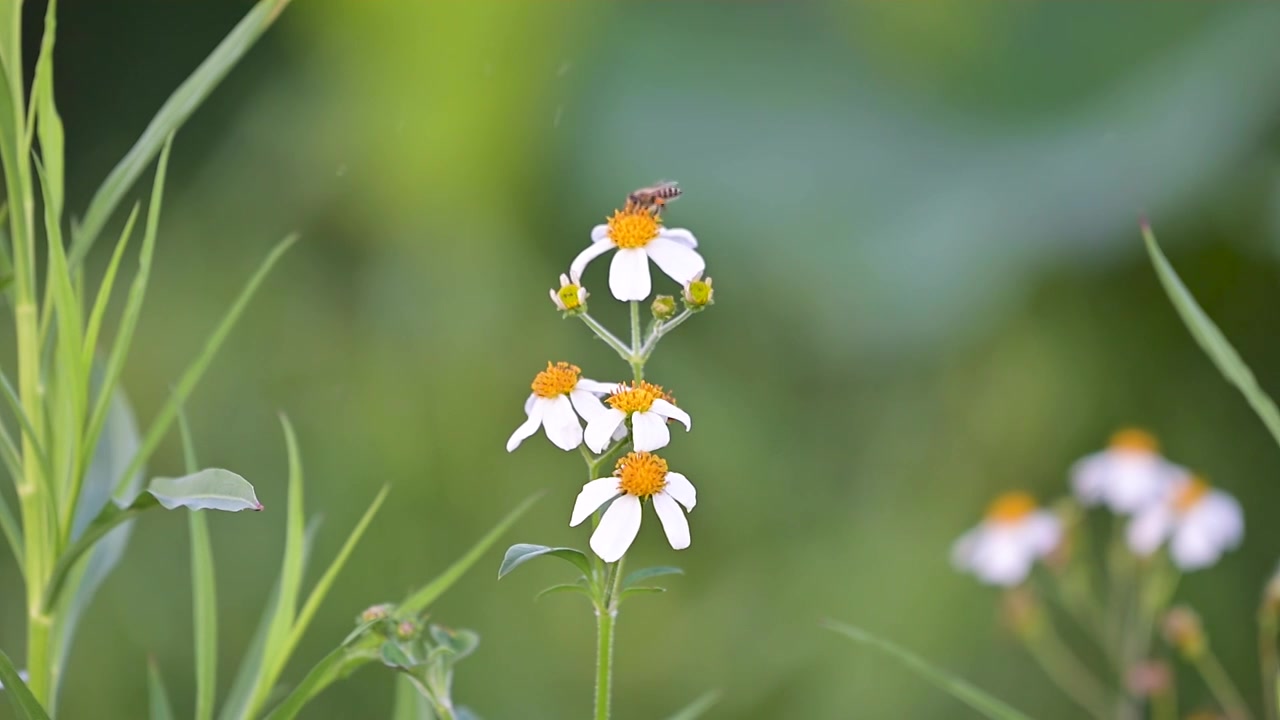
{"x":166,"y":122}
{"x":563,"y":588}
{"x":209,"y":489}
{"x":459,"y":642}
{"x":158,"y":697}
{"x":48,"y":124}
{"x":1211,"y":339}
{"x":394,"y":656}
{"x":339,"y":663}
{"x":522,"y":553}
{"x":409,"y":703}
{"x":697,"y":708}
{"x":641,"y":590}
{"x":204,"y":593}
{"x":649,"y":572}
{"x":19,"y":694}
{"x":110,"y":519}
{"x":103,"y":298}
{"x":957,"y":688}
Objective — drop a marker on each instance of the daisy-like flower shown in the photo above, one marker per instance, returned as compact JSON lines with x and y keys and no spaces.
{"x":558,"y":392}
{"x":1128,"y":476}
{"x":698,"y":292}
{"x":571,"y":297}
{"x":638,"y":476}
{"x":1012,"y":536}
{"x":648,"y":408}
{"x":1200,"y":522}
{"x":639,"y":236}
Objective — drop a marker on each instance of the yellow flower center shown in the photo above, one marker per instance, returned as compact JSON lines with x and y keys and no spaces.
{"x":699,"y":293}
{"x":1011,"y":507}
{"x":633,"y":226}
{"x":556,"y":380}
{"x":569,"y":296}
{"x":641,"y":474}
{"x":636,"y":397}
{"x":1134,"y":440}
{"x":1189,"y":495}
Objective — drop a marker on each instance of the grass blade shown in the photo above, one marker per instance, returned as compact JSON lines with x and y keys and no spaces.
{"x":1210,"y":338}
{"x":954,"y":686}
{"x":193,"y":373}
{"x":28,"y":430}
{"x":103,"y":297}
{"x":204,"y":593}
{"x":168,"y":119}
{"x":409,"y":703}
{"x":48,"y":125}
{"x":697,"y":708}
{"x":157,"y":696}
{"x":19,"y":694}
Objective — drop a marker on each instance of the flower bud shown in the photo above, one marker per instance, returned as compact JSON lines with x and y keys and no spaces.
{"x":1150,"y":678}
{"x":663,"y":307}
{"x":1184,"y":632}
{"x":406,"y":629}
{"x":375,"y":613}
{"x":698,"y":293}
{"x":571,"y":298}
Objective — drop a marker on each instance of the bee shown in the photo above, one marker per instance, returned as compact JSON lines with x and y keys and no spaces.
{"x":656,"y":196}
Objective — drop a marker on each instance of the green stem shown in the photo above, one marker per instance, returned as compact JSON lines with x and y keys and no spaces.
{"x":609,"y":338}
{"x":635,"y":359}
{"x":1268,"y":661}
{"x":1067,"y":671}
{"x":1221,"y":686}
{"x":660,"y":331}
{"x":1164,"y":705}
{"x":604,"y":661}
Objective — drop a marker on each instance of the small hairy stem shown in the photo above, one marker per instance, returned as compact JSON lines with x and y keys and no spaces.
{"x":660,"y":331}
{"x":1067,"y":671}
{"x":1221,"y":687}
{"x":635,"y":359}
{"x":609,"y":338}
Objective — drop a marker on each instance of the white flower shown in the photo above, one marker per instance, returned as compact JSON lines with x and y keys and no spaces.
{"x":1202,"y":522}
{"x":1128,"y":476}
{"x":639,"y":237}
{"x":639,"y":475}
{"x":557,"y":392}
{"x":1012,"y":536}
{"x":570,"y":296}
{"x":648,"y":408}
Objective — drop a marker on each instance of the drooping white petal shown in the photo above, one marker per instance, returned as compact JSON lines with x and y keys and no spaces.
{"x":595,"y":386}
{"x":679,"y":487}
{"x":629,"y":274}
{"x":963,"y":548}
{"x":600,"y":233}
{"x":587,"y":404}
{"x":680,"y":235}
{"x":1222,"y":515}
{"x":593,"y":495}
{"x":1149,"y":529}
{"x":680,"y":262}
{"x":561,"y":423}
{"x":649,"y":431}
{"x":1041,"y":531}
{"x":600,"y":428}
{"x":529,"y":426}
{"x":673,"y":520}
{"x":618,"y":528}
{"x":1000,"y":558}
{"x":593,"y":251}
{"x":555,"y":298}
{"x":1193,"y":547}
{"x":668,"y":410}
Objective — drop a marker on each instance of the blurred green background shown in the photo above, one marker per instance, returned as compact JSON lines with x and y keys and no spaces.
{"x":922,"y":223}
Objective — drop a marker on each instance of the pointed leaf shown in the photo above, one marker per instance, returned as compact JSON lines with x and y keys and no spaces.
{"x":394,"y":656}
{"x":563,"y":588}
{"x":650,"y":572}
{"x":957,"y":688}
{"x":641,"y":590}
{"x":158,"y":697}
{"x":697,"y":708}
{"x":522,"y":553}
{"x":209,"y":489}
{"x":460,"y":642}
{"x":19,"y":694}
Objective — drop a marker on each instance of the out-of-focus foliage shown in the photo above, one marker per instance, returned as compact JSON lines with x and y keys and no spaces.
{"x":922,"y":221}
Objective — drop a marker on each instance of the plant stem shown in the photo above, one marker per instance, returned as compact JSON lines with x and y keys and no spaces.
{"x":1268,"y":661}
{"x":1067,"y":671}
{"x":635,"y":359}
{"x":609,"y":338}
{"x":1221,"y":686}
{"x":605,"y":618}
{"x":660,"y":330}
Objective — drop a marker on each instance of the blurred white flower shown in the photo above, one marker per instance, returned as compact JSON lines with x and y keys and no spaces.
{"x":639,"y":475}
{"x":639,"y":236}
{"x":1200,"y":522}
{"x":1012,"y":536}
{"x":558,"y":392}
{"x":571,"y":295}
{"x":647,"y":406}
{"x":1128,"y":476}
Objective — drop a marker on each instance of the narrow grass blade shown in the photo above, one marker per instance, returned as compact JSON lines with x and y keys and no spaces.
{"x":204,"y":593}
{"x":409,"y":703}
{"x":111,"y":518}
{"x":697,"y":708}
{"x":168,"y":119}
{"x":1211,"y":339}
{"x":157,"y":696}
{"x":103,"y":298}
{"x":19,"y":694}
{"x":48,"y":125}
{"x":339,"y":663}
{"x":28,"y":430}
{"x":957,"y":688}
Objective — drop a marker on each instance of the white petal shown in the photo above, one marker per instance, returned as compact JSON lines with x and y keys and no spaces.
{"x":528,"y":403}
{"x":649,"y":431}
{"x":1217,"y":516}
{"x":1149,"y":528}
{"x":667,"y":410}
{"x":1194,"y":548}
{"x":587,"y":405}
{"x":593,"y":495}
{"x":680,"y":262}
{"x":600,"y":428}
{"x":673,"y":521}
{"x":617,"y":530}
{"x":561,"y":423}
{"x":1042,"y":532}
{"x":600,"y":233}
{"x":1088,"y":476}
{"x":629,"y":274}
{"x":679,"y":487}
{"x":529,"y":426}
{"x":1000,"y":557}
{"x":555,"y":298}
{"x":680,"y":235}
{"x":1136,"y":480}
{"x":600,"y":388}
{"x":593,"y":251}
{"x":963,"y":548}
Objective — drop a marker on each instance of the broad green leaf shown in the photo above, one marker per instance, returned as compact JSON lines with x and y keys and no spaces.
{"x":649,"y":572}
{"x":204,"y":593}
{"x":563,"y":588}
{"x":168,"y":119}
{"x":193,"y":373}
{"x":697,"y":708}
{"x":18,"y":693}
{"x":1211,"y":339}
{"x":157,"y":695}
{"x":522,"y":553}
{"x":957,"y":688}
{"x":209,"y":489}
{"x":409,"y":703}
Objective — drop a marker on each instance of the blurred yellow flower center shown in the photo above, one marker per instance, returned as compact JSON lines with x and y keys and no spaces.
{"x":569,"y":297}
{"x":699,"y":292}
{"x":641,"y":474}
{"x":1189,"y":495}
{"x":1134,"y":440}
{"x":636,"y":397}
{"x":1011,"y":507}
{"x":633,"y":226}
{"x":556,"y":380}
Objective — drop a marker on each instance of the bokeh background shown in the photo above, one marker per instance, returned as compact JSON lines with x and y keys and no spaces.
{"x":922,"y":223}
